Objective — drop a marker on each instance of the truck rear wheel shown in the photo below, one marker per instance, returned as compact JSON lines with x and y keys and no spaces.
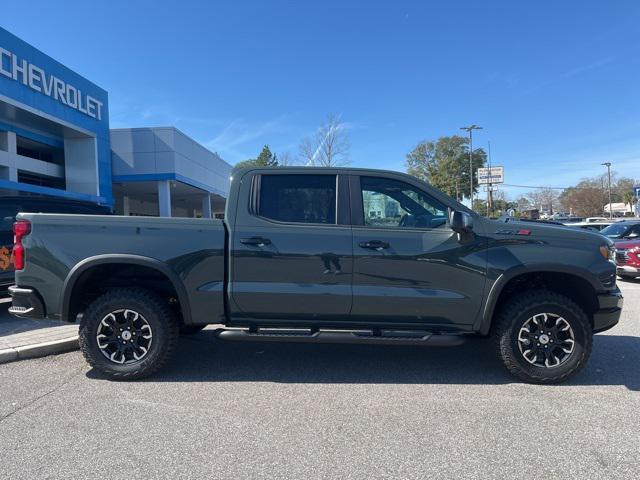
{"x":128,"y":333}
{"x":543,"y":337}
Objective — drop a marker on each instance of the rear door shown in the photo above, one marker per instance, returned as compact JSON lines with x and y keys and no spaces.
{"x":291,"y":248}
{"x":409,"y":266}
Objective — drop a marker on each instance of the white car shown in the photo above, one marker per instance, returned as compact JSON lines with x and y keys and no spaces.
{"x":595,"y":225}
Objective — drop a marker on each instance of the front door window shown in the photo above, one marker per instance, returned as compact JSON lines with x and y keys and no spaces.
{"x":391,"y":203}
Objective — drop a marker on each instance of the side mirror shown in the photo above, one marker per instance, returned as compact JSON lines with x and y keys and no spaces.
{"x":461,"y":222}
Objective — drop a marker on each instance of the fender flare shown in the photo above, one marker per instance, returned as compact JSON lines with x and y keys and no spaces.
{"x":489,"y":307}
{"x":90,"y":262}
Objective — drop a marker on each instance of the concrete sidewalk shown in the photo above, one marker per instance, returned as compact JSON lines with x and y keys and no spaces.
{"x":22,"y":338}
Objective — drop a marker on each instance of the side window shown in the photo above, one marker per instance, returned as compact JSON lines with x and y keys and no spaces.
{"x":395,"y":204}
{"x":298,"y":198}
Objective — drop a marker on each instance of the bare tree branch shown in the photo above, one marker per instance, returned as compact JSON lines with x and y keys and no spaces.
{"x":308,"y":150}
{"x":329,"y":147}
{"x":333,"y":140}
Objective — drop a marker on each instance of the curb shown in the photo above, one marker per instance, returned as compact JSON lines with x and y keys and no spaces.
{"x":39,"y":349}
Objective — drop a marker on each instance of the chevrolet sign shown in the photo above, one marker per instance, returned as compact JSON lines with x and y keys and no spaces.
{"x":37,"y":79}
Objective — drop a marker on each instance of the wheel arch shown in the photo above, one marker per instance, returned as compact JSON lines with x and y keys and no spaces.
{"x":86,"y":265}
{"x":582,"y":277}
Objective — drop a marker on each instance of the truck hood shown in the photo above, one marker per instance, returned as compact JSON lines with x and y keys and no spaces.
{"x":547,"y":231}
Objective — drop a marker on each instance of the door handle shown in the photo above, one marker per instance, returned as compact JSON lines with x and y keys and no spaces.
{"x":374,"y":245}
{"x":255,"y":241}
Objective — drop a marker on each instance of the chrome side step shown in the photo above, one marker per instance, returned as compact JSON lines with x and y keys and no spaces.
{"x":20,"y":310}
{"x":385,"y":337}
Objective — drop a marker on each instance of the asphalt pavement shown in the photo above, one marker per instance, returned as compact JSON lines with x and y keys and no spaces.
{"x":234,"y":410}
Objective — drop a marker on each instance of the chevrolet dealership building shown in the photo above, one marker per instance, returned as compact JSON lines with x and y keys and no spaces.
{"x":55,"y":141}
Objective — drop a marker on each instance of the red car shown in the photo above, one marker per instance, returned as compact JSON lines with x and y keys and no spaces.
{"x":628,"y":258}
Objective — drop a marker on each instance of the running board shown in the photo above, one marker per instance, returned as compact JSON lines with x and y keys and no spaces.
{"x":386,"y":337}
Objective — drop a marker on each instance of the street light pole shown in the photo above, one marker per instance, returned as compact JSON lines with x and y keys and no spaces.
{"x":608,"y":165}
{"x":470,"y":130}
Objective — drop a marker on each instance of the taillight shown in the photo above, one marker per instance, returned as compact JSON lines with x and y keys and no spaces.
{"x":21,"y":229}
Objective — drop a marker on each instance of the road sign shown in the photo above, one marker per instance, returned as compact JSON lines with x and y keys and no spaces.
{"x":493,"y":188}
{"x":490,"y":175}
{"x":636,"y":191}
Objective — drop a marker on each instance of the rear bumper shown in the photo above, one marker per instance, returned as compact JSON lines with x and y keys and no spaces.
{"x":610,"y":309}
{"x":26,"y":303}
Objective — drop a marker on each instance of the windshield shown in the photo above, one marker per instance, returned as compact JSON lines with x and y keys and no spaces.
{"x":615,"y":231}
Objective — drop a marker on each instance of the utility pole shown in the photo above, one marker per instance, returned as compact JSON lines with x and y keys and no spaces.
{"x":490,"y":188}
{"x":470,"y":130}
{"x":608,"y":165}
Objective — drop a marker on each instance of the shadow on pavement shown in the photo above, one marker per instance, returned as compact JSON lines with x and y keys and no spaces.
{"x":10,"y":325}
{"x":203,"y":358}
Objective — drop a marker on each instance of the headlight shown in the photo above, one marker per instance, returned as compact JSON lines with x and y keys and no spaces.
{"x":608,"y":252}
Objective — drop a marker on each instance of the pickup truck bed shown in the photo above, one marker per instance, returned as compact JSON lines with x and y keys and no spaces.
{"x":67,"y":251}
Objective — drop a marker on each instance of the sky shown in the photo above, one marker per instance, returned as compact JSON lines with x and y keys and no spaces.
{"x":555,"y":85}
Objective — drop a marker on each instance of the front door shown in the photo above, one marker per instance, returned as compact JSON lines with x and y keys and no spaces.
{"x":292,"y":252}
{"x":409,"y":266}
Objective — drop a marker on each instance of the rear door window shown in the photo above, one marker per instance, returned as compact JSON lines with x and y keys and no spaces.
{"x":298,"y":198}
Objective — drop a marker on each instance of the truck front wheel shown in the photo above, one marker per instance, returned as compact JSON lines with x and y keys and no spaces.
{"x":128,"y":333}
{"x":543,"y":336}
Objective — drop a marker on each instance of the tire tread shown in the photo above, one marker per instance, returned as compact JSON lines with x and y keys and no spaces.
{"x":504,"y":323}
{"x":153,"y":302}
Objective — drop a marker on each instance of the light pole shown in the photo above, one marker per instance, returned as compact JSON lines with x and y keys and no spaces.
{"x":470,"y":130}
{"x":608,"y":165}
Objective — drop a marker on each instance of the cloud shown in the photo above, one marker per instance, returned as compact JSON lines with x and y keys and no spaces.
{"x":239,"y":134}
{"x":572,"y":73}
{"x":126,"y":112}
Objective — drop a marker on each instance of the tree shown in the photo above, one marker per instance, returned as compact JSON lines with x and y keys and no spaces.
{"x":265,"y":159}
{"x":329,"y":147}
{"x":444,"y":163}
{"x":286,"y":159}
{"x":623,"y":191}
{"x":629,"y":198}
{"x":621,"y":186}
{"x":546,"y":199}
{"x":523,"y":204}
{"x":587,"y":198}
{"x":480,"y":206}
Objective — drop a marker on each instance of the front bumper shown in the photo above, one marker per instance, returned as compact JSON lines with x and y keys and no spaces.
{"x":609,"y":311}
{"x":26,"y":303}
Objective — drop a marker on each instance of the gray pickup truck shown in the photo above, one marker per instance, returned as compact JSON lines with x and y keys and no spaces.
{"x":320,"y":255}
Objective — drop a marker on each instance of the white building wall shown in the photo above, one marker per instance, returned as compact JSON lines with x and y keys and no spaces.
{"x":166,"y":150}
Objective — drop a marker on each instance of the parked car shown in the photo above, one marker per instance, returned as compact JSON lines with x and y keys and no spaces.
{"x":320,"y":255}
{"x":9,"y":209}
{"x":571,"y":220}
{"x":595,"y":226}
{"x":623,"y":229}
{"x":628,"y":258}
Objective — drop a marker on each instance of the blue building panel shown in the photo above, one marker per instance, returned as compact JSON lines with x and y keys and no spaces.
{"x":32,"y":79}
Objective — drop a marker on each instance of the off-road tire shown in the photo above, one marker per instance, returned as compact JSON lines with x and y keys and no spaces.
{"x":158,"y":315}
{"x":513,"y":315}
{"x":190,"y":329}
